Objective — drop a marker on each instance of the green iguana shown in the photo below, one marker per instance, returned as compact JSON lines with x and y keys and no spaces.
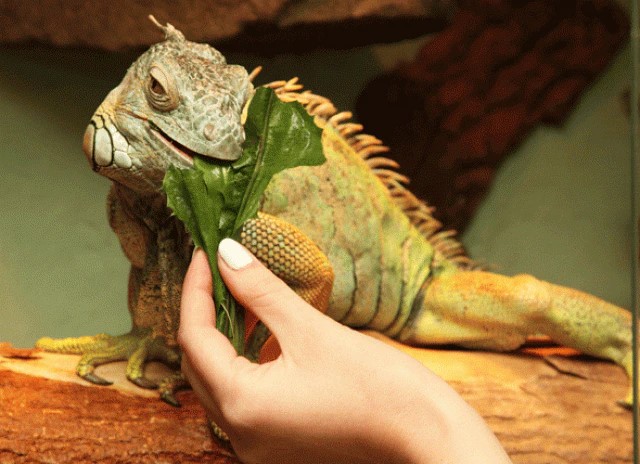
{"x":346,"y":235}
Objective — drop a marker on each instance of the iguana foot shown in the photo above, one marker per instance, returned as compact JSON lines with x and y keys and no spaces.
{"x":218,"y":432}
{"x":137,"y":347}
{"x":626,"y":403}
{"x":170,"y":385}
{"x":256,"y":340}
{"x":627,"y":363}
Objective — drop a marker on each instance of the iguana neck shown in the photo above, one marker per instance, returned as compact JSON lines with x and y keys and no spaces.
{"x":149,"y":208}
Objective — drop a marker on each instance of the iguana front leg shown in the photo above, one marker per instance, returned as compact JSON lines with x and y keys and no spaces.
{"x":159,"y":255}
{"x":293,"y":257}
{"x":136,"y":347}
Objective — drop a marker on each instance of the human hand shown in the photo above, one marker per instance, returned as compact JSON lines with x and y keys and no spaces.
{"x":333,"y":395}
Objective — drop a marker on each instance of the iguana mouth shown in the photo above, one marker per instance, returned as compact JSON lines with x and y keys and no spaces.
{"x":184,"y":152}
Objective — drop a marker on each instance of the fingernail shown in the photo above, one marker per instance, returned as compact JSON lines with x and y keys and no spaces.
{"x":193,"y":253}
{"x":234,"y":254}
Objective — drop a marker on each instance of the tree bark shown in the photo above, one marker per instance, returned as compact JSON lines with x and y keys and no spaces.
{"x":476,"y":91}
{"x":256,"y":27}
{"x":546,"y":405}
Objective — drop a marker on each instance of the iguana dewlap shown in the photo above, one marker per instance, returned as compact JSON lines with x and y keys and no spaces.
{"x":346,"y":235}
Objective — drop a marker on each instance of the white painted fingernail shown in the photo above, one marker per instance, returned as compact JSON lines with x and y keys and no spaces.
{"x":234,"y":254}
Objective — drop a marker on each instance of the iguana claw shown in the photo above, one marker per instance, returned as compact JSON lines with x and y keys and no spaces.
{"x":91,"y":377}
{"x":626,"y":403}
{"x":170,"y":398}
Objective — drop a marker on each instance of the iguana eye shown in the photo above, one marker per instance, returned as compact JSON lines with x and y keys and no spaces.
{"x":161,"y":90}
{"x":156,"y":87}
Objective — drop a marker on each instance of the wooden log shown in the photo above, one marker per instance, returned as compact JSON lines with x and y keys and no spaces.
{"x":546,"y":405}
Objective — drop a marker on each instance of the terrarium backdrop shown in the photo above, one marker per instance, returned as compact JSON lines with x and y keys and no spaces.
{"x":511,"y":117}
{"x":541,"y":92}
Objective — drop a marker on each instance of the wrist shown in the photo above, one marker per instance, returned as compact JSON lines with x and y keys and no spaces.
{"x":445,"y":430}
{"x":429,"y":432}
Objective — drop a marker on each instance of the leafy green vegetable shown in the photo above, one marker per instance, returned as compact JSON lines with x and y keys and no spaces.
{"x":214,"y":198}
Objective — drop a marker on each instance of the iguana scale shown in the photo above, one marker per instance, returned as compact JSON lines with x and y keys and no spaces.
{"x":347,"y":235}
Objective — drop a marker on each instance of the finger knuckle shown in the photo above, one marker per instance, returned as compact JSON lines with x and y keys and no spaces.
{"x":265,"y":293}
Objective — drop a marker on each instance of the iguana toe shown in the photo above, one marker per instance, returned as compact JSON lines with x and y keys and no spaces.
{"x":136,"y":362}
{"x":169,"y":397}
{"x":170,"y":385}
{"x":627,"y":403}
{"x":116,"y":350}
{"x":73,"y":345}
{"x":627,"y":363}
{"x":218,"y":432}
{"x":96,"y":379}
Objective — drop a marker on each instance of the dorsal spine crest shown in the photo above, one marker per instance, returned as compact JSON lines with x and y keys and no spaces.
{"x":369,"y":148}
{"x":170,"y":32}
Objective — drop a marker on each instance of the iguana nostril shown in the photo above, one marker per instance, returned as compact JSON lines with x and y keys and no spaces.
{"x":210,"y":132}
{"x":87,"y":141}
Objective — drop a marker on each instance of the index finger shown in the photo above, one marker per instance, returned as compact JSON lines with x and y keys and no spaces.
{"x":196,"y":304}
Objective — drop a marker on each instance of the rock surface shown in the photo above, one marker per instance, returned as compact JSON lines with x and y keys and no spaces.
{"x":254,"y":26}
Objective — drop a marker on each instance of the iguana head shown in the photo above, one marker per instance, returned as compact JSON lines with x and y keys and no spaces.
{"x":180,"y":99}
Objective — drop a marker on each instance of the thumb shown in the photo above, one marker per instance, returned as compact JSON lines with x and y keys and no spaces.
{"x":208,"y":350}
{"x":256,"y":288}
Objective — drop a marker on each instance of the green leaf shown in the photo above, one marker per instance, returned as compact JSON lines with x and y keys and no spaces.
{"x":215,"y":198}
{"x":279,"y":136}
